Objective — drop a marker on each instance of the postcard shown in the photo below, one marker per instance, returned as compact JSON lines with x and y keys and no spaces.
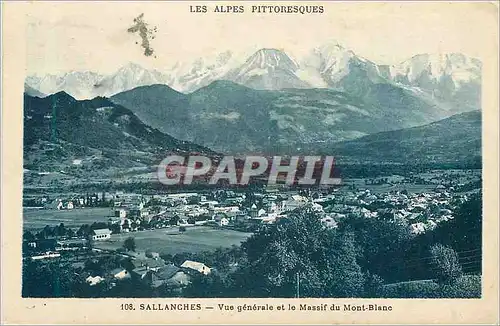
{"x":230,"y":162}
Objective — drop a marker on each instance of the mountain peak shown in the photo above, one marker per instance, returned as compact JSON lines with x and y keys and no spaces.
{"x":224,"y":85}
{"x":269,"y":69}
{"x":132,"y":65}
{"x":271,"y":58}
{"x":32,"y":92}
{"x":332,"y":45}
{"x":131,"y":68}
{"x":270,"y":50}
{"x":328,"y":64}
{"x":128,"y":77}
{"x":153,"y":88}
{"x":62,"y":95}
{"x":430,"y":68}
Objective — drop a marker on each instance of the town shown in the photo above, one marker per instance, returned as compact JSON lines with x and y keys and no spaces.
{"x":151,"y":239}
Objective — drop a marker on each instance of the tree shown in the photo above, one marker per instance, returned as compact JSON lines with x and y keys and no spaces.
{"x":60,"y":230}
{"x":47,"y":232}
{"x":300,"y":252}
{"x":446,"y":265}
{"x":83,"y":231}
{"x":129,"y":244}
{"x":115,"y":228}
{"x":373,"y":285}
{"x":98,"y":225}
{"x":466,"y":286}
{"x":174,"y":220}
{"x":125,"y":225}
{"x":47,"y":280}
{"x":206,"y":286}
{"x":28,"y":236}
{"x":345,"y":279}
{"x":382,"y":245}
{"x":70,"y":233}
{"x":464,"y":232}
{"x":93,"y":267}
{"x":145,"y":225}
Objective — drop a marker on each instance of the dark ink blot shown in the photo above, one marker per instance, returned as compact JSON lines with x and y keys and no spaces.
{"x":141,"y":27}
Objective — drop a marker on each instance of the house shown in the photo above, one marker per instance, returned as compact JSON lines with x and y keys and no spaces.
{"x":161,"y":277}
{"x":268,"y":219}
{"x":121,"y":212}
{"x":194,"y":265}
{"x":329,"y":222}
{"x":254,"y":212}
{"x":179,"y":279}
{"x":152,"y":254}
{"x":48,"y":254}
{"x":241,"y":218}
{"x":94,"y":280}
{"x":224,"y":221}
{"x":148,"y":263}
{"x":70,"y":205}
{"x":440,"y":188}
{"x":101,"y":234}
{"x":271,"y":207}
{"x":295,"y":202}
{"x":141,"y":273}
{"x":71,"y":244}
{"x":317,"y":207}
{"x":171,"y":276}
{"x":41,"y":244}
{"x":119,"y":273}
{"x":219,"y":217}
{"x":417,"y":228}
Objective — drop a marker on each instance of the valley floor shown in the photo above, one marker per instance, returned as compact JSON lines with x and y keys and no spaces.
{"x":171,"y":241}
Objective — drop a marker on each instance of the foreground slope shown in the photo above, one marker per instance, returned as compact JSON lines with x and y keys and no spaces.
{"x":61,"y":132}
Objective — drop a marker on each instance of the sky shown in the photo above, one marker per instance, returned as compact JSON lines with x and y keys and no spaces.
{"x":65,"y":36}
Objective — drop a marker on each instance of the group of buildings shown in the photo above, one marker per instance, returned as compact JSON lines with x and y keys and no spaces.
{"x":149,"y":270}
{"x":244,"y":210}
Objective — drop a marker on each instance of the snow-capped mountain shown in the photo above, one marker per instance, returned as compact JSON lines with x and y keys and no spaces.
{"x":187,"y":77}
{"x":269,"y":69}
{"x":87,"y":85}
{"x":432,"y":68}
{"x":329,"y":64}
{"x":32,"y":92}
{"x":78,"y":84}
{"x":452,"y":79}
{"x":449,"y":80}
{"x":130,"y":76}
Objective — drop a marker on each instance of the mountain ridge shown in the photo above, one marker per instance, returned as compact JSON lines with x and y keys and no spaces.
{"x":456,"y":87}
{"x":232,"y":118}
{"x":59,"y":129}
{"x":456,"y":139}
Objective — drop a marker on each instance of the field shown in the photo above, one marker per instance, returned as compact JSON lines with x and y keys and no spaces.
{"x":171,"y":241}
{"x":39,"y":218}
{"x":359,"y":183}
{"x":431,"y":179}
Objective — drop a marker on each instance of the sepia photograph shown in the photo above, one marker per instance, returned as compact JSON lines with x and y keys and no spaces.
{"x":206,"y":151}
